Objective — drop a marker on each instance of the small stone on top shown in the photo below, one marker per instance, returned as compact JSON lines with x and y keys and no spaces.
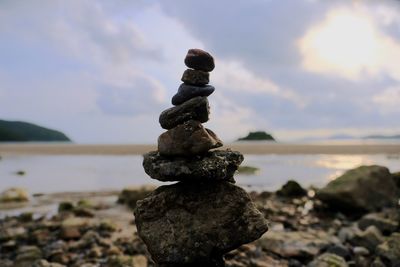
{"x":199,"y":60}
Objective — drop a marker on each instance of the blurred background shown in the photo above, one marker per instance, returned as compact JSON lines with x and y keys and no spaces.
{"x":100,"y":72}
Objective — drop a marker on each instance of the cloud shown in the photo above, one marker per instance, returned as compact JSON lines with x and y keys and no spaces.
{"x":232,"y":75}
{"x":348,"y":43}
{"x":81,"y":65}
{"x":388,"y":101}
{"x":143,"y":95}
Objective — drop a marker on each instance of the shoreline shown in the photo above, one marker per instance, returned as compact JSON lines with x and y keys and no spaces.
{"x":245,"y":148}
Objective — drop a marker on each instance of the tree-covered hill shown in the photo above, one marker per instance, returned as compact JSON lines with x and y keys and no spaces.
{"x":18,"y":131}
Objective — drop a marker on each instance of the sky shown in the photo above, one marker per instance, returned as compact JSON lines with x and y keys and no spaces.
{"x":103,"y":71}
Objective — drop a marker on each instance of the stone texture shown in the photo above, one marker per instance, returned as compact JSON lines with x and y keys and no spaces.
{"x":385,"y":225}
{"x":328,"y":260}
{"x":130,"y":195}
{"x":14,"y":194}
{"x":296,"y":244}
{"x":186,"y":92}
{"x":187,"y":139}
{"x":187,"y":223}
{"x":366,"y":188}
{"x":195,"y":77}
{"x":199,"y":60}
{"x":369,"y":238}
{"x":389,"y":251}
{"x":215,"y":165}
{"x":291,"y":189}
{"x":194,"y":109}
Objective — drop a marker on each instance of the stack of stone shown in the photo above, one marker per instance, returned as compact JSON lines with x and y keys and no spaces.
{"x":197,"y":220}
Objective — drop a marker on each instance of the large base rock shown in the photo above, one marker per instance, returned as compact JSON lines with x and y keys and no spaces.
{"x":215,"y":165}
{"x":366,"y":188}
{"x":190,"y":224}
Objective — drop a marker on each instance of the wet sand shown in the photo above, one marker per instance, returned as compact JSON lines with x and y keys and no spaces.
{"x":245,"y":148}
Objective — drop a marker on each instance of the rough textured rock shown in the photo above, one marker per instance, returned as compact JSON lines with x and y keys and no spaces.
{"x":194,"y":109}
{"x":14,"y":194}
{"x":187,"y":139}
{"x":296,"y":244}
{"x":396,"y":178}
{"x":26,"y":255}
{"x":328,"y":260}
{"x":186,"y":92}
{"x":199,"y":60}
{"x":366,"y":188}
{"x":369,"y":238}
{"x":195,"y":77}
{"x":291,"y":189}
{"x":385,"y":225}
{"x":389,"y":251}
{"x":189,"y":223}
{"x":215,"y":165}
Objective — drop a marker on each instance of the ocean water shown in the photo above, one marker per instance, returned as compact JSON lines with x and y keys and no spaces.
{"x":70,"y":173}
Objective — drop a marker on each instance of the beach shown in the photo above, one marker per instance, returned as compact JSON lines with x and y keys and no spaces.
{"x":256,"y":148}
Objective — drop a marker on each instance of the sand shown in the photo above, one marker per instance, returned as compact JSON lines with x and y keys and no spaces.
{"x":245,"y":148}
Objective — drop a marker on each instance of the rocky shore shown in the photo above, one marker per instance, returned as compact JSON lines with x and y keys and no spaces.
{"x":97,"y":229}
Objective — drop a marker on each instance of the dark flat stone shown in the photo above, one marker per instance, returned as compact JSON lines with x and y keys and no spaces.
{"x":194,"y":109}
{"x":215,"y":165}
{"x":187,"y":92}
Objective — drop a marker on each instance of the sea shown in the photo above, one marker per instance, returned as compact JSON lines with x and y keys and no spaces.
{"x":76,"y":173}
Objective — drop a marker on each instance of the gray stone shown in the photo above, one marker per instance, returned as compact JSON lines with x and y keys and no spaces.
{"x":340,"y":250}
{"x":26,"y":255}
{"x":195,"y":77}
{"x":215,"y":165}
{"x":363,"y":189}
{"x":296,"y":244}
{"x":328,"y":260}
{"x":194,"y":109}
{"x":389,"y":251}
{"x":369,"y":238}
{"x":199,"y":60}
{"x":385,"y":225}
{"x":186,"y":92}
{"x":291,"y":189}
{"x":361,"y":251}
{"x":187,"y":139}
{"x":196,"y":224}
{"x":130,"y":195}
{"x":44,"y":263}
{"x":14,"y":194}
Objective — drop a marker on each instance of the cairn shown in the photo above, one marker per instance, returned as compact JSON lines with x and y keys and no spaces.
{"x":197,"y":220}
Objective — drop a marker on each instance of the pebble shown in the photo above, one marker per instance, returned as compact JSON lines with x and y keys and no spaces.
{"x":195,"y":77}
{"x":199,"y":60}
{"x":187,"y":139}
{"x":187,"y":92}
{"x":196,"y":109}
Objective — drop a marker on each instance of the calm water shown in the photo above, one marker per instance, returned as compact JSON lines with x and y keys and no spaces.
{"x":45,"y":174}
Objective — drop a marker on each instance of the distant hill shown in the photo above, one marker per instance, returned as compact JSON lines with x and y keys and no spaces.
{"x":382,"y":137}
{"x":18,"y":131}
{"x":259,"y":135}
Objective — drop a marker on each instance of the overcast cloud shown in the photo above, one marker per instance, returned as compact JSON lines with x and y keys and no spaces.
{"x":102,"y":71}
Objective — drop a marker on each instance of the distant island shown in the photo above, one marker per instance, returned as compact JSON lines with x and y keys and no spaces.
{"x":257,"y":136}
{"x":18,"y":131}
{"x":382,"y":136}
